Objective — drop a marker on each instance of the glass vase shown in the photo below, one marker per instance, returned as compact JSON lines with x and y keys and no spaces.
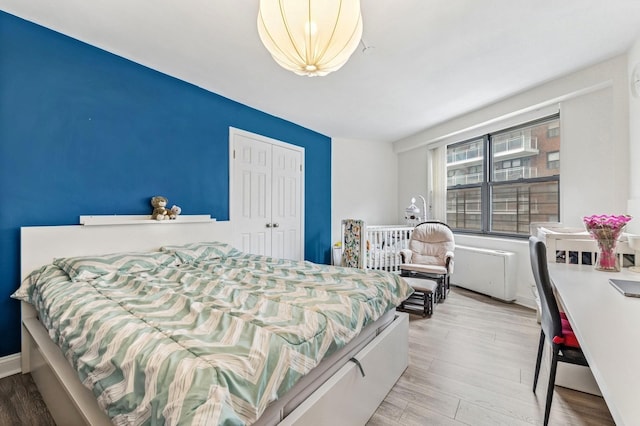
{"x":607,"y":259}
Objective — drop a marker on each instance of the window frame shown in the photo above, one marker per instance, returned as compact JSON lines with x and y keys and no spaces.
{"x":553,"y":161}
{"x":488,"y":184}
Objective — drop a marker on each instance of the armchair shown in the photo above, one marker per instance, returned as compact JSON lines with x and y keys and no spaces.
{"x":430,"y":255}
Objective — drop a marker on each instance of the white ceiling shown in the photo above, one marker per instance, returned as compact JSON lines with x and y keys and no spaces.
{"x":432,"y":59}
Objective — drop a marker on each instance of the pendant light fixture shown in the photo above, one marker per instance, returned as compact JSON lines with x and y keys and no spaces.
{"x":310,"y":37}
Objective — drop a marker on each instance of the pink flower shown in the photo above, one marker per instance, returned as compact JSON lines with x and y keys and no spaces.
{"x":604,"y":221}
{"x":606,"y":229}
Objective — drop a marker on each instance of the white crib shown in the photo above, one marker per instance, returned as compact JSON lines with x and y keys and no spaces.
{"x":383,"y":245}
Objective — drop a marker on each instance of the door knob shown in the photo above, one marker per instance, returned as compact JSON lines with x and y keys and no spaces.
{"x":268,"y":225}
{"x":275,"y":225}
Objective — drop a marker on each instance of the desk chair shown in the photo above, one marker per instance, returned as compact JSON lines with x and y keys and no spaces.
{"x":555,"y":327}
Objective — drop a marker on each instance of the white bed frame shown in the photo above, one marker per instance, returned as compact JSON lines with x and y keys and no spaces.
{"x":345,"y":398}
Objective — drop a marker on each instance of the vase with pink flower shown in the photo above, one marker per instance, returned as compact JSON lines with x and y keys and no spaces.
{"x":606,"y":230}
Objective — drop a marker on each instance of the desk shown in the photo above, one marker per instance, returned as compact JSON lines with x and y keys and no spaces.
{"x":607,"y":325}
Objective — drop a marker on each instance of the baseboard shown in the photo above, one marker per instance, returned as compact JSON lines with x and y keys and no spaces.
{"x":526,"y":301}
{"x":10,"y":365}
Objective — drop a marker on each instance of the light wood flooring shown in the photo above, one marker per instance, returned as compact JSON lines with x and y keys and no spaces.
{"x":21,"y":403}
{"x":471,"y":363}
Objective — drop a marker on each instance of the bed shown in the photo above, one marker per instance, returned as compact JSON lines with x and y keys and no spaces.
{"x":307,"y":373}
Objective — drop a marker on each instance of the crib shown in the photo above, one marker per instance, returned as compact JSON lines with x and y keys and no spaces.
{"x":383,"y":245}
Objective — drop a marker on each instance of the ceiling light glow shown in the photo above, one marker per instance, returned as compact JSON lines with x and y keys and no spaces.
{"x":310,"y":37}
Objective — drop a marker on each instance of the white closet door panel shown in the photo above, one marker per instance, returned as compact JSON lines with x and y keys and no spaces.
{"x":255,"y":243}
{"x":293,"y":238}
{"x":260,"y":200}
{"x":286,"y":206}
{"x":278,"y":244}
{"x":252,"y":206}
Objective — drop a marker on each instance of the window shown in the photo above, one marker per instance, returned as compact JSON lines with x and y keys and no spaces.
{"x":502,"y":182}
{"x":553,"y":160}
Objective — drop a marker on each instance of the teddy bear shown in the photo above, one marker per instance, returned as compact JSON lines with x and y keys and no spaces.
{"x":174,"y":211}
{"x":160,"y":210}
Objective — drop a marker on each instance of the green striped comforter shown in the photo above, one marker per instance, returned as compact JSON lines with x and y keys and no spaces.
{"x":209,"y":342}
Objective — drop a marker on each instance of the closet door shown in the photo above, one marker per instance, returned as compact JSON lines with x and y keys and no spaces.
{"x":266,"y":196}
{"x":286,"y":216}
{"x":251,"y":197}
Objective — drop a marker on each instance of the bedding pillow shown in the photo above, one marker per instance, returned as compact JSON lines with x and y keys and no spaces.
{"x":90,"y":267}
{"x":192,"y":252}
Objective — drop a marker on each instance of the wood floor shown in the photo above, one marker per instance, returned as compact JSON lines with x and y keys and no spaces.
{"x":470,"y":364}
{"x":21,"y":404}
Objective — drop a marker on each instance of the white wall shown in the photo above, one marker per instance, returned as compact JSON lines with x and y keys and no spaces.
{"x":634,"y":144}
{"x":364,"y":183}
{"x":594,"y":109}
{"x":594,"y":168}
{"x":412,"y":179}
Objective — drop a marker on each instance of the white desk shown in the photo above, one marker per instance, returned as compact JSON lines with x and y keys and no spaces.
{"x":607,"y":325}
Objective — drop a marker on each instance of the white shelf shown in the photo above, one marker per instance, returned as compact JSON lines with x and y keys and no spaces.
{"x":141,"y":219}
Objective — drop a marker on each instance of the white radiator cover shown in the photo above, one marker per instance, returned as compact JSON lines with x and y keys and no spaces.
{"x":487,"y":271}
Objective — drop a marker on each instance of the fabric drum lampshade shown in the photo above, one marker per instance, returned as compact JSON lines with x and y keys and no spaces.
{"x":313,"y":37}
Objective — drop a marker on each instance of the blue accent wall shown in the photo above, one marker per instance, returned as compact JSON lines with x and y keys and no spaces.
{"x":85,"y":132}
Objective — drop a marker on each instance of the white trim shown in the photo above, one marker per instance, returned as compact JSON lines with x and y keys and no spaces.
{"x":9,"y":365}
{"x":526,"y":301}
{"x":140,"y":219}
{"x":498,"y":122}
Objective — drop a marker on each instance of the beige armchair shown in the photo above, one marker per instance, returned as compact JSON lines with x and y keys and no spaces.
{"x":430,"y":255}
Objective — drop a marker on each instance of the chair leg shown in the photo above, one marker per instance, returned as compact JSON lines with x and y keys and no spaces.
{"x":425,"y":304}
{"x":552,"y":382}
{"x":538,"y":360}
{"x":428,"y":304}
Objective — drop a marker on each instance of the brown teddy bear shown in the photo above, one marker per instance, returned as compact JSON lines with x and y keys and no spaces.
{"x":160,"y":210}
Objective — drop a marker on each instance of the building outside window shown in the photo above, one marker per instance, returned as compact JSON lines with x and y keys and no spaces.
{"x":553,"y":131}
{"x":501,"y":182}
{"x":553,"y":160}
